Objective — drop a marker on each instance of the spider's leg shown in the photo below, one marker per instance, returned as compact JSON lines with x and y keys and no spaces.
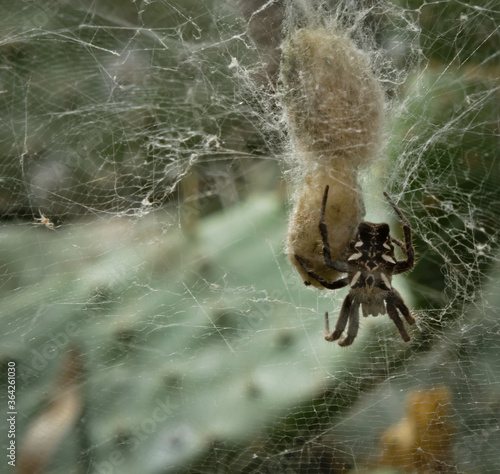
{"x":334,"y":285}
{"x":327,"y":255}
{"x":400,"y":244}
{"x":352,"y":329}
{"x":393,"y":314}
{"x":327,"y":326}
{"x":398,"y":301}
{"x":341,"y":322}
{"x":403,"y":266}
{"x":404,"y":220}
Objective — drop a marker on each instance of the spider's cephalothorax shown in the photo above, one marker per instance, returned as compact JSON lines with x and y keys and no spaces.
{"x":370,"y":265}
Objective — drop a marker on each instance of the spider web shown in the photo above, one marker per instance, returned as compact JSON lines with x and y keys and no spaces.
{"x":153,"y":319}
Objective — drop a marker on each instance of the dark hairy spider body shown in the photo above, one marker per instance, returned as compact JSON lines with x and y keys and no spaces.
{"x":370,"y":265}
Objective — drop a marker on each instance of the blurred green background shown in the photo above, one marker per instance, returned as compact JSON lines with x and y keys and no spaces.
{"x":155,"y":323}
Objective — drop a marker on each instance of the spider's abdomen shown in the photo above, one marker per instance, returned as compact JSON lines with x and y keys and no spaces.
{"x":372,"y":252}
{"x":370,"y":266}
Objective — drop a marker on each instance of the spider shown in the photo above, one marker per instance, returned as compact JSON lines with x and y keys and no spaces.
{"x":43,"y":220}
{"x":370,"y":265}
